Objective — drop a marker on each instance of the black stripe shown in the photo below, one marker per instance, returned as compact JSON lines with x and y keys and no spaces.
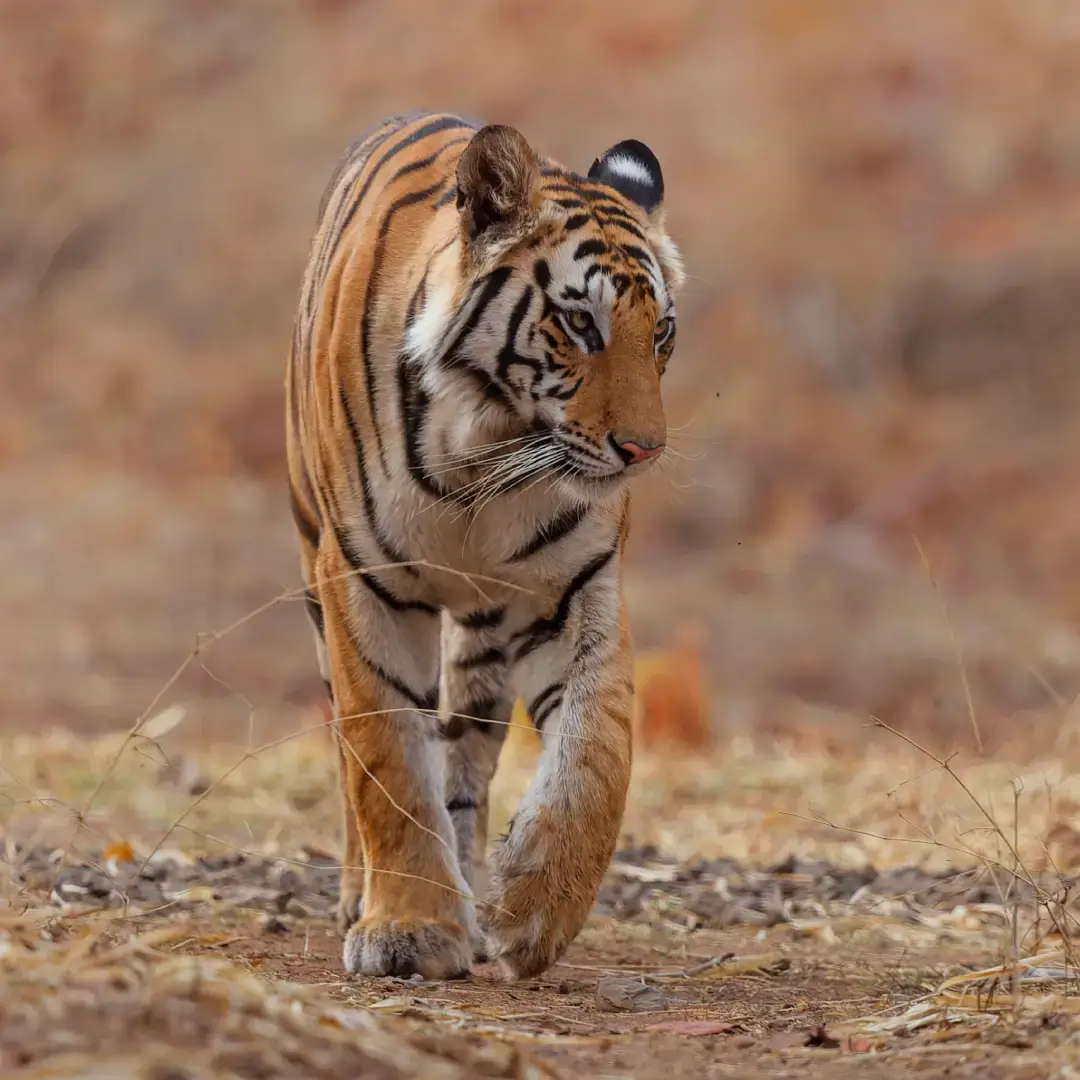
{"x":329,"y":690}
{"x":480,"y":378}
{"x":546,"y":713}
{"x":567,"y":392}
{"x":455,"y":805}
{"x":481,"y":620}
{"x":576,"y":221}
{"x":428,"y":701}
{"x":538,"y":709}
{"x":623,"y":221}
{"x":449,"y":195}
{"x":565,"y":189}
{"x":414,"y":402}
{"x":540,"y":631}
{"x":508,"y":355}
{"x":590,"y":247}
{"x":352,"y":153}
{"x":386,"y":547}
{"x":392,"y":601}
{"x":357,"y":154}
{"x":315,"y":612}
{"x":613,"y":210}
{"x":307,"y":528}
{"x":480,"y":659}
{"x":348,"y":548}
{"x":488,"y":291}
{"x":417,"y":299}
{"x":562,"y":524}
{"x":474,"y":716}
{"x":442,"y":124}
{"x":480,"y":712}
{"x":369,"y":297}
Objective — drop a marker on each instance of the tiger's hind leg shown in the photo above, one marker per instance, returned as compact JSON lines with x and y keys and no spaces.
{"x":351,"y":887}
{"x":476,"y":707}
{"x":351,"y":890}
{"x":416,"y":914}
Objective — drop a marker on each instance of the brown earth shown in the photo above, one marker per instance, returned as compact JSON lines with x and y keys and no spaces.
{"x":779,"y":915}
{"x":648,"y":990}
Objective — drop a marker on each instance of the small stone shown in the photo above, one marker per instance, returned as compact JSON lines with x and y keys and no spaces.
{"x":628,"y":995}
{"x":271,"y":924}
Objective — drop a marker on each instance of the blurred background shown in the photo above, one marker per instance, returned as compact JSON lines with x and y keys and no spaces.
{"x":875,"y":391}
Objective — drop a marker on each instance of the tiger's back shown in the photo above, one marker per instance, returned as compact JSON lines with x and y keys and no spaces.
{"x":474,"y":375}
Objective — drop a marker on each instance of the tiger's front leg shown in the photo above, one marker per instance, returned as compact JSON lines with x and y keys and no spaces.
{"x":577,"y":679}
{"x":417,"y":916}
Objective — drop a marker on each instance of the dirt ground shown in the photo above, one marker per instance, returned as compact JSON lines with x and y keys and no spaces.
{"x":805,"y":987}
{"x":766,"y":915}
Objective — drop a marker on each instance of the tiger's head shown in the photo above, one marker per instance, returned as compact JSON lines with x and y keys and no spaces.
{"x":565,"y":311}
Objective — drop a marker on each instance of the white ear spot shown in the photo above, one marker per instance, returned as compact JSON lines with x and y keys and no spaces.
{"x":629,"y":168}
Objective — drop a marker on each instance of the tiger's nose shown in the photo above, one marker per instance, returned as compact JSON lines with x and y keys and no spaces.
{"x":634,"y":451}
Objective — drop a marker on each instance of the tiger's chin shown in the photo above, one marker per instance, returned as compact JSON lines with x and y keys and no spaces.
{"x":590,"y":489}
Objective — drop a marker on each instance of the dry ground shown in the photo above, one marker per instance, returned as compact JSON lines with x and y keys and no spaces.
{"x":771,"y":914}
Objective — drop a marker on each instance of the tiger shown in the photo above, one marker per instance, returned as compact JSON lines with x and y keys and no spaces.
{"x":473,"y":379}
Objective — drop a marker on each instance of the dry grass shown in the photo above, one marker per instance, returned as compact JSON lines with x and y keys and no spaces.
{"x":106,"y":988}
{"x":89,"y":998}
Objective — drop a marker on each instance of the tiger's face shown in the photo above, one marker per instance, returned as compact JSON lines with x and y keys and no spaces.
{"x":580,"y":323}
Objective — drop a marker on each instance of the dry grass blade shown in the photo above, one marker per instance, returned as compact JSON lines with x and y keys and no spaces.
{"x":123,"y":1008}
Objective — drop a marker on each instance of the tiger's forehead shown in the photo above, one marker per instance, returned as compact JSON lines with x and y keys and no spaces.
{"x":597,"y":247}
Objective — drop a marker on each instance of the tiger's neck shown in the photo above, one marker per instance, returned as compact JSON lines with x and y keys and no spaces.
{"x":468,"y":422}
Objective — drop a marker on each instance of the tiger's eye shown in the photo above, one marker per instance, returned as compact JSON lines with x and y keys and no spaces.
{"x":664,"y":329}
{"x":579,"y":321}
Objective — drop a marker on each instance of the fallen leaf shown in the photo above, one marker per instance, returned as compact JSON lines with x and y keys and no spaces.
{"x":628,"y":995}
{"x":121,"y":851}
{"x":692,"y":1027}
{"x":163,"y":722}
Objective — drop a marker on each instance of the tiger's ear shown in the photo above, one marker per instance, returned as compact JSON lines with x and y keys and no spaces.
{"x":497,"y":182}
{"x":631,"y":168}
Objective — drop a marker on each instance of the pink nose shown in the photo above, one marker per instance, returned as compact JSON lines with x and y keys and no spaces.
{"x":633,"y":452}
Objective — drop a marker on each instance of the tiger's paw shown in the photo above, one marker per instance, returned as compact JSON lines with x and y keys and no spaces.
{"x":350,"y":906}
{"x":433,"y":948}
{"x":541,"y":894}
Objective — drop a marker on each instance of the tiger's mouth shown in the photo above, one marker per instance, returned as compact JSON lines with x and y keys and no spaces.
{"x":587,"y":462}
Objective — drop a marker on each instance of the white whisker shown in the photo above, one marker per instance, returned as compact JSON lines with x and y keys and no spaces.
{"x":472,"y":452}
{"x":502,"y":480}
